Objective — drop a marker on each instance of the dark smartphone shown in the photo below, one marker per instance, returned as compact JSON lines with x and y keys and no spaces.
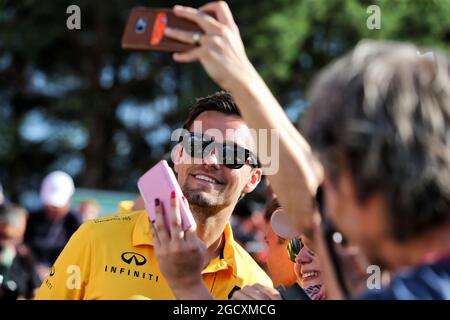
{"x":145,"y":30}
{"x":294,"y":292}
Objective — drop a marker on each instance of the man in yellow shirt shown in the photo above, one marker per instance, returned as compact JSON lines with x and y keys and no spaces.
{"x":113,"y":257}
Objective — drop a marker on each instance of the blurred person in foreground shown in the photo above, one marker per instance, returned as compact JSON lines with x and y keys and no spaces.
{"x":117,"y":255}
{"x":49,"y":228}
{"x":379,"y":121}
{"x":18,"y":277}
{"x":279,"y":264}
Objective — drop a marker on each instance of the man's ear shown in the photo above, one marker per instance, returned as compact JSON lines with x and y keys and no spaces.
{"x":177,"y":153}
{"x":254,"y":180}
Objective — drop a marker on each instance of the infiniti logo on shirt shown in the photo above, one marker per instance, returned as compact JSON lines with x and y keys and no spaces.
{"x":133,"y":259}
{"x":129,"y":257}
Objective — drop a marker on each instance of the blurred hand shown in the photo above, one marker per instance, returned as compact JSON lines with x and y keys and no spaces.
{"x":256,"y":292}
{"x":180,"y":254}
{"x":220,"y":50}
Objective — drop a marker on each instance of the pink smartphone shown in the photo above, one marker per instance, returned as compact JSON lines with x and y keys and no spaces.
{"x":159,"y":182}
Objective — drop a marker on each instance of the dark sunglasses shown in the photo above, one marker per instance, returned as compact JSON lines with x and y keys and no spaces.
{"x":294,"y":246}
{"x":232,"y":156}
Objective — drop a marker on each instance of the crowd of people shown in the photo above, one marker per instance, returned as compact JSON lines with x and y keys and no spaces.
{"x":364,"y":181}
{"x":30,"y":241}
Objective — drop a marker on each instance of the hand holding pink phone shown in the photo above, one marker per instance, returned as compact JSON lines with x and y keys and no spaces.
{"x":158,"y":183}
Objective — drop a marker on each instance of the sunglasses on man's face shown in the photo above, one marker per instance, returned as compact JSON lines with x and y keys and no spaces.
{"x":231,"y":155}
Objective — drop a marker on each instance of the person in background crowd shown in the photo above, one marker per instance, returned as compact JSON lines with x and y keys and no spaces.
{"x":248,"y":230}
{"x":240,"y":223}
{"x":280,"y":267}
{"x":307,"y":264}
{"x":18,"y":277}
{"x":126,"y":206}
{"x":88,"y":209}
{"x":291,"y":260}
{"x":50,"y":227}
{"x":307,"y":268}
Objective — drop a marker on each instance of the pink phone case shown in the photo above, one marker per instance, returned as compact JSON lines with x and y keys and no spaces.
{"x":159,"y":182}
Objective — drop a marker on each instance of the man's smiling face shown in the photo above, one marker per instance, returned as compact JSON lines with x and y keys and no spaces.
{"x":209,"y":183}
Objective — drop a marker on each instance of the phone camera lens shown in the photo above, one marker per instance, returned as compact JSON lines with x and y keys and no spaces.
{"x":140,"y":25}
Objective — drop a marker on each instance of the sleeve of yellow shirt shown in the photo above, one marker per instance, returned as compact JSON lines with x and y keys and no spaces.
{"x":69,"y":275}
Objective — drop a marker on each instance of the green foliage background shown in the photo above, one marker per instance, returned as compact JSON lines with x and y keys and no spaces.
{"x":109,"y":113}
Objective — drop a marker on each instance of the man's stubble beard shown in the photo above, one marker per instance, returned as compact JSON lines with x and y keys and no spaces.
{"x":207,"y":203}
{"x":200,"y":199}
{"x":204,"y":205}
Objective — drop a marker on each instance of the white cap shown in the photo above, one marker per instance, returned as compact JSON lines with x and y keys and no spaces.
{"x":57,"y":188}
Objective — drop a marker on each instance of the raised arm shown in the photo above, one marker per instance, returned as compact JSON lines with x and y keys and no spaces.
{"x":222,"y":54}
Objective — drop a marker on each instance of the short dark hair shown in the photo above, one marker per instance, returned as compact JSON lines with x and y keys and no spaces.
{"x":271,"y":207}
{"x":383,"y":112}
{"x":220,"y":101}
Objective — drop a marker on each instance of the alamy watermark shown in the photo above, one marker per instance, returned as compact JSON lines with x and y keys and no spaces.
{"x":73,"y":22}
{"x":377,"y":278}
{"x":373,"y":22}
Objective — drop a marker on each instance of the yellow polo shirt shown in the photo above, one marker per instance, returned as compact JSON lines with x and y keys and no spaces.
{"x":112,"y":258}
